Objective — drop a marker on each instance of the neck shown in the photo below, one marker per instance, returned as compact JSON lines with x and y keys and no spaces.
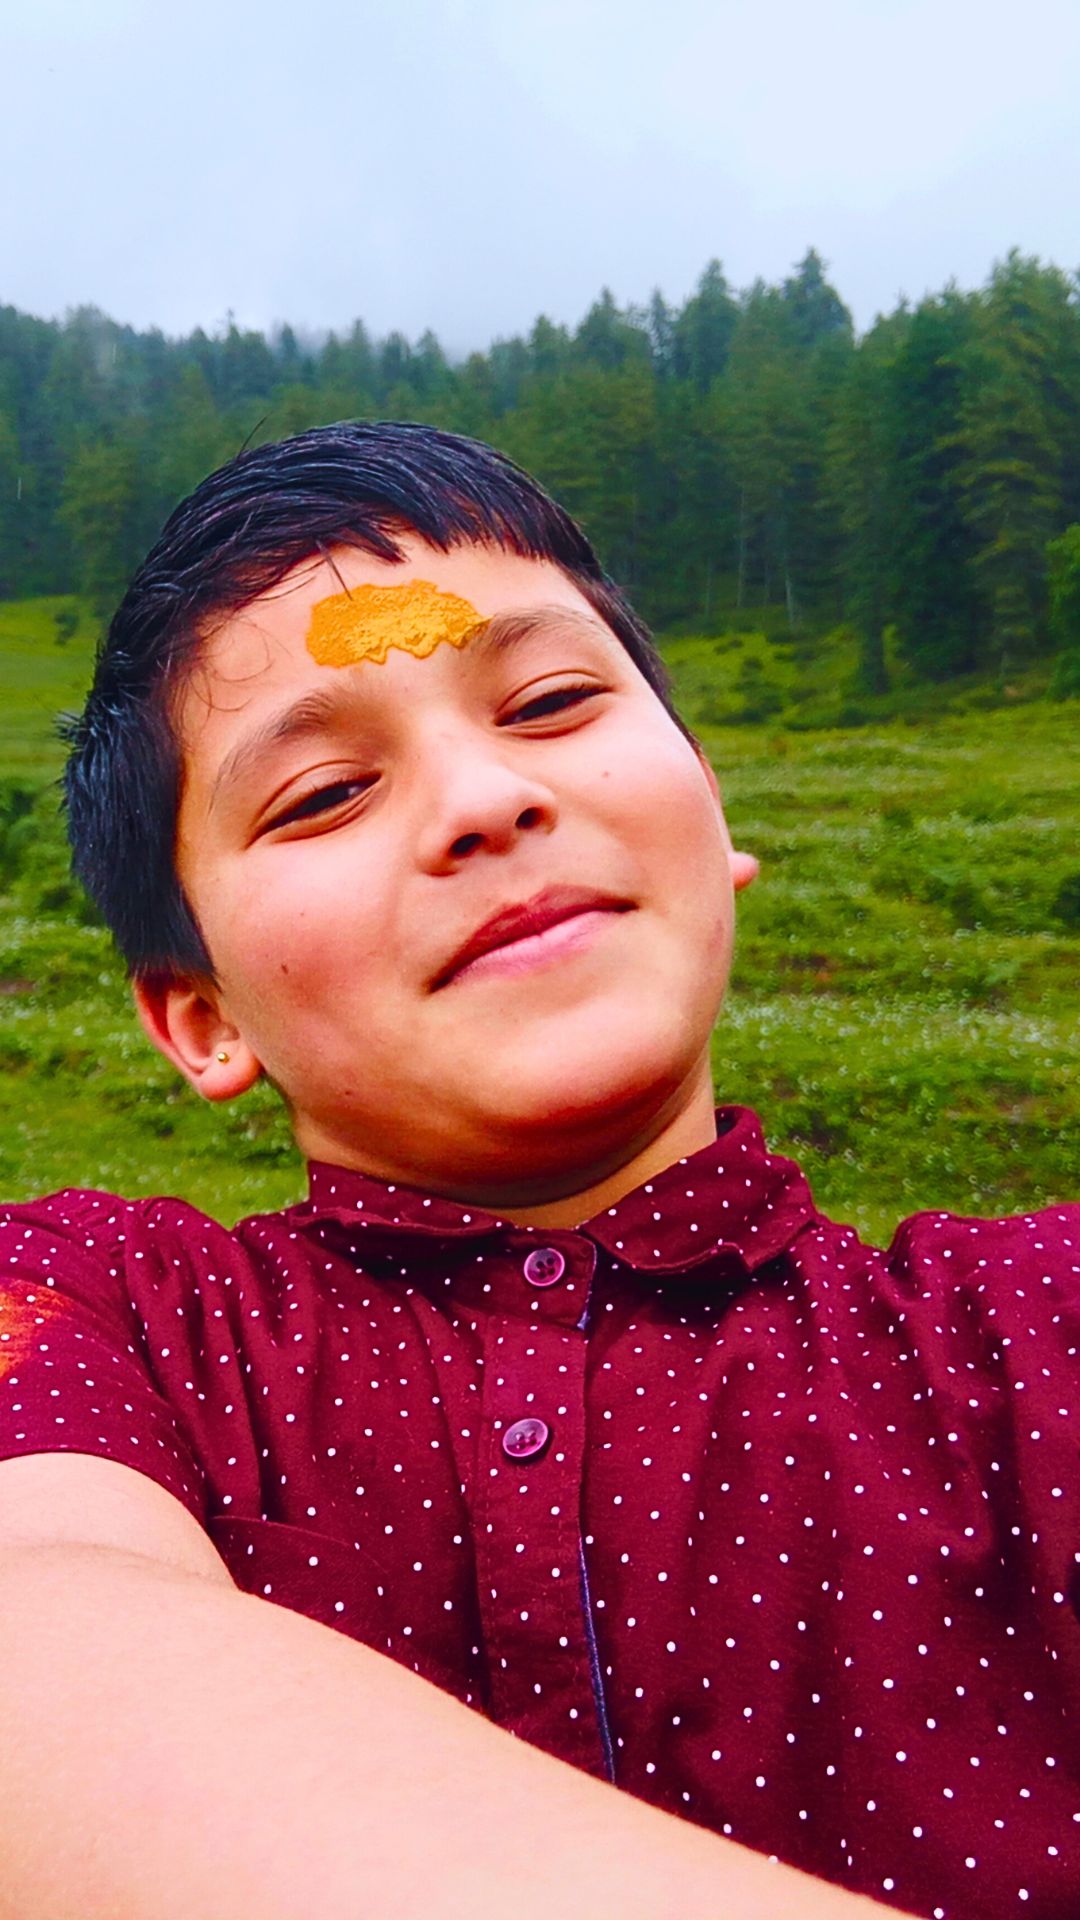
{"x":680,"y":1134}
{"x":557,"y":1197}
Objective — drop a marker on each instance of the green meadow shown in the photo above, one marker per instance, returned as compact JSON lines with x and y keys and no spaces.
{"x":903,"y":1011}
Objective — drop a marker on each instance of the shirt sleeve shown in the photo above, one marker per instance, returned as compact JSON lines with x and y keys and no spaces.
{"x":75,"y":1375}
{"x":995,"y":1309}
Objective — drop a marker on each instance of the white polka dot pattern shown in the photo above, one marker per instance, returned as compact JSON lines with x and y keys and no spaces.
{"x":780,"y":1531}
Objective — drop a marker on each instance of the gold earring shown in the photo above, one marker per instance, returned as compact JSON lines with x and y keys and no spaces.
{"x":223,"y":1057}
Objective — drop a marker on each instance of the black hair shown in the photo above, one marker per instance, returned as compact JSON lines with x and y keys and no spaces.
{"x":357,"y":484}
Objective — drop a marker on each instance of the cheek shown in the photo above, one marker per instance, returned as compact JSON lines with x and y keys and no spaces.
{"x":293,"y":932}
{"x":681,"y":826}
{"x":671,"y":813}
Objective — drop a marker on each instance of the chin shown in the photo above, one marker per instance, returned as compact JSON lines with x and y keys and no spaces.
{"x":612,"y":1080}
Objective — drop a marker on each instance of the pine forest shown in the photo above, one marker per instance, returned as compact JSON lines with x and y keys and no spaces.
{"x":918,"y":486}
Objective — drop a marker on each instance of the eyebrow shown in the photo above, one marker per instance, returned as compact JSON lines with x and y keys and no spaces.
{"x":510,"y":627}
{"x":302,"y":719}
{"x":315,"y":712}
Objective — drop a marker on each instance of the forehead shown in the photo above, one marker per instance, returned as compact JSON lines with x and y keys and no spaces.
{"x":281,"y":635}
{"x":382,"y":622}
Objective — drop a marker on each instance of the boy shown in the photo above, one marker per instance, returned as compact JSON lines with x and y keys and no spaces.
{"x":558,"y":1390}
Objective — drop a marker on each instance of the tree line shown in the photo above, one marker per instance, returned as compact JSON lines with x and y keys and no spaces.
{"x":920,"y":483}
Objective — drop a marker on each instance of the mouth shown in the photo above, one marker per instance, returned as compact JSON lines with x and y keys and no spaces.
{"x":525,"y":934}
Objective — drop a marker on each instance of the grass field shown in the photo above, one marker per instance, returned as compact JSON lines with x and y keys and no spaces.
{"x":904,"y":1006}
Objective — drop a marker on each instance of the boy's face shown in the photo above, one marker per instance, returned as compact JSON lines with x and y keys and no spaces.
{"x":346,"y":832}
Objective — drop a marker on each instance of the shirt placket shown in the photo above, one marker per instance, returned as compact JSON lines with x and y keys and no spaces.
{"x":544,"y":1685}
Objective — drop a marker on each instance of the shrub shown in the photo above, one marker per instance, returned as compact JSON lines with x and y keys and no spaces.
{"x":1066,"y":907}
{"x":1065,"y":679}
{"x":66,"y":622}
{"x":16,"y":827}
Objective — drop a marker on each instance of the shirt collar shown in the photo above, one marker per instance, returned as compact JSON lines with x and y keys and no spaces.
{"x":733,"y":1197}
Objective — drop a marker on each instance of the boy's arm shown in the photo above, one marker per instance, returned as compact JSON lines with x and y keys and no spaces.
{"x":176,"y":1748}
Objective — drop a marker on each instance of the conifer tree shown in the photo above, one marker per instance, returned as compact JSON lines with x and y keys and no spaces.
{"x":1020,"y":409}
{"x":933,"y":598}
{"x":99,"y":509}
{"x":1063,"y":569}
{"x":703,"y":331}
{"x":859,"y":485}
{"x":11,"y":530}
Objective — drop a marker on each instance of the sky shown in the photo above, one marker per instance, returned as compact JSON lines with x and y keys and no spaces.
{"x":465,"y":165}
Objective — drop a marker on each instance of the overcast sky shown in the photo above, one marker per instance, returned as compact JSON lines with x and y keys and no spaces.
{"x":467,"y":164}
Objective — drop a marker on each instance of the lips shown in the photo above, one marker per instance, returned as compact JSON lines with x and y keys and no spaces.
{"x":529,"y":917}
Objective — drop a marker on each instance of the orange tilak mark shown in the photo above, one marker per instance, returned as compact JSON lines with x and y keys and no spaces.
{"x":347,"y":628}
{"x":22,"y":1318}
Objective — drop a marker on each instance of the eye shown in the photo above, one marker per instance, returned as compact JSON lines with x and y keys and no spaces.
{"x":558,"y":700}
{"x":322,"y":800}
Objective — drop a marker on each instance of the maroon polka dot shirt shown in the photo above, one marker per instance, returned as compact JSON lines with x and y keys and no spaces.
{"x":774,"y":1529}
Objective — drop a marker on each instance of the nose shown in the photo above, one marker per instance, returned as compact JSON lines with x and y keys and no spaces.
{"x":475,"y":798}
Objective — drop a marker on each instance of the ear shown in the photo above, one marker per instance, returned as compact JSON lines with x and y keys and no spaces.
{"x":186,"y":1022}
{"x":744,"y":866}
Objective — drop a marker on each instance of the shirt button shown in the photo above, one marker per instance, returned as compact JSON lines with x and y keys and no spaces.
{"x":526,"y":1438}
{"x":543,"y":1266}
